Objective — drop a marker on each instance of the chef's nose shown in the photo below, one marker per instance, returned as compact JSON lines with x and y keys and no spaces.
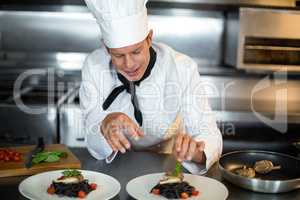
{"x":129,"y":62}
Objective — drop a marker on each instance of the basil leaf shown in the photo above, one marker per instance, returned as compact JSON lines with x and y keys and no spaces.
{"x":39,"y":158}
{"x":178,"y":169}
{"x":52,"y":158}
{"x":48,"y":156}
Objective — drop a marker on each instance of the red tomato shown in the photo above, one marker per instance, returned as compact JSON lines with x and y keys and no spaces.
{"x":156,"y":191}
{"x":9,"y":155}
{"x":16,"y":158}
{"x":81,"y":194}
{"x":6,"y":158}
{"x":195,"y":192}
{"x":51,"y":190}
{"x":93,"y":186}
{"x":17,"y":153}
{"x":184,"y":195}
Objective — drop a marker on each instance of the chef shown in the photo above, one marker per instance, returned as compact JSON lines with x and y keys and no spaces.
{"x":137,"y":94}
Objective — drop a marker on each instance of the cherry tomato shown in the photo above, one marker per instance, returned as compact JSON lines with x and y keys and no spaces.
{"x":17,"y":153}
{"x":195,"y":192}
{"x":51,"y":190}
{"x":16,"y":158}
{"x":81,"y":194}
{"x":184,"y":195}
{"x":9,"y":155}
{"x":6,"y":158}
{"x":93,"y":186}
{"x":156,"y":191}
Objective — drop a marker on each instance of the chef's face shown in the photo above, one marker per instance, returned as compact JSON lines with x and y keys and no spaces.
{"x":132,"y":61}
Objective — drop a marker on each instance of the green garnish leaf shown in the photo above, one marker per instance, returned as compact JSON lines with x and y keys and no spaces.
{"x":178,"y":169}
{"x":71,"y":173}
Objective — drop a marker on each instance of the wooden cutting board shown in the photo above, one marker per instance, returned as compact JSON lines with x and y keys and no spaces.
{"x":12,"y":168}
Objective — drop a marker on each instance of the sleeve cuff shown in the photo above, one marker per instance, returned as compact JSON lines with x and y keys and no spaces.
{"x":99,"y":148}
{"x":110,"y":158}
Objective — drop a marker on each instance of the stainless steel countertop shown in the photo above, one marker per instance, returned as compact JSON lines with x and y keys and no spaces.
{"x":134,"y":164}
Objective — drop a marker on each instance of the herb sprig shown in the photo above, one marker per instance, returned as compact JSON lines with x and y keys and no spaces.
{"x":71,"y":173}
{"x":178,"y":169}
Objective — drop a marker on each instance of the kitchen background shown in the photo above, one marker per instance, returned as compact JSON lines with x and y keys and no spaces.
{"x":240,"y":45}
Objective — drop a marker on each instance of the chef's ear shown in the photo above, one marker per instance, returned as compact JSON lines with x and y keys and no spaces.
{"x":149,"y":37}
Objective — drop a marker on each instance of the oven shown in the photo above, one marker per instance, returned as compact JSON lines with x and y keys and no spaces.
{"x":266,"y":40}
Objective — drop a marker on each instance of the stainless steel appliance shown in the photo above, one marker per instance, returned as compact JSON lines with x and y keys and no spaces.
{"x":264,"y":39}
{"x":32,"y":111}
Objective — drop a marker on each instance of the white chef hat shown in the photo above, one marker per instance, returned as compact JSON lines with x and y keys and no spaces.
{"x":122,"y":22}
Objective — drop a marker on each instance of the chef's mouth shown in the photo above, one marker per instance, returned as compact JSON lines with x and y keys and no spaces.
{"x":132,"y":72}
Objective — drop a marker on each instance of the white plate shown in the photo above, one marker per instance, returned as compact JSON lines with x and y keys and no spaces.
{"x":35,"y":187}
{"x":210,"y":189}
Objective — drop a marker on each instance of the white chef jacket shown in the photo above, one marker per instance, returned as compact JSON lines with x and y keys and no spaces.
{"x":174,"y":86}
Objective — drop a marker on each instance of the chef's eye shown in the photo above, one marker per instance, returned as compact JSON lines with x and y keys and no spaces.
{"x":137,"y":51}
{"x":118,"y":56}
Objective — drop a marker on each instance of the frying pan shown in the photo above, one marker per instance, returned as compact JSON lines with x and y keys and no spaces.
{"x":283,"y":180}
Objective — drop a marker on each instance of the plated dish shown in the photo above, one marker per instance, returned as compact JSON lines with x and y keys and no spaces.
{"x":71,"y":184}
{"x":54,"y":185}
{"x":140,"y":188}
{"x":173,"y":186}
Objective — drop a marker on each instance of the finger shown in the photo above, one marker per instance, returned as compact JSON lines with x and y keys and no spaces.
{"x":184,"y":146}
{"x":124,"y":142}
{"x":109,"y":142}
{"x":140,"y":132}
{"x":114,"y":138}
{"x":178,"y":143}
{"x":132,"y":128}
{"x":111,"y":145}
{"x":136,"y":132}
{"x":129,"y":129}
{"x":110,"y":134}
{"x":191,"y":150}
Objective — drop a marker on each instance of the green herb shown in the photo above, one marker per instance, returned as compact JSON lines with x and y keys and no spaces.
{"x":48,"y":156}
{"x":178,"y":169}
{"x":52,"y":158}
{"x":71,"y":173}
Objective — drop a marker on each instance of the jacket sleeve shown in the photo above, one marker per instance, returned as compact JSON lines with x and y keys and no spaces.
{"x":199,"y":120}
{"x":91,"y":97}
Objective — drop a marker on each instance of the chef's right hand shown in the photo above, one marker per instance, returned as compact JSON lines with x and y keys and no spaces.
{"x":113,"y":128}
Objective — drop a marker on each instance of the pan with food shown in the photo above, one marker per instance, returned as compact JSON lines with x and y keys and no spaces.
{"x":261,"y":171}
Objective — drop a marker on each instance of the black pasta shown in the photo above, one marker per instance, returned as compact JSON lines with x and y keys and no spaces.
{"x":71,"y":190}
{"x":174,"y":190}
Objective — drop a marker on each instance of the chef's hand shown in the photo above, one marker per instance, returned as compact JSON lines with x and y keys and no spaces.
{"x":113,"y":128}
{"x":188,"y":149}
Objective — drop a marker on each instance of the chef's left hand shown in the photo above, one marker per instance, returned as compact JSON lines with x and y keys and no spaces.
{"x":187,"y":148}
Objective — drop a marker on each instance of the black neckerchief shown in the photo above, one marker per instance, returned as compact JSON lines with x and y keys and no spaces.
{"x":130,"y":88}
